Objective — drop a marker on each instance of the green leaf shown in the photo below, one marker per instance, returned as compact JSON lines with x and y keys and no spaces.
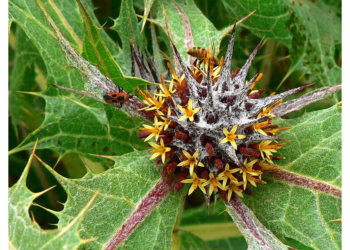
{"x":310,"y":30}
{"x":122,"y":190}
{"x":128,"y":29}
{"x":201,"y":230}
{"x":303,"y":210}
{"x":70,"y":126}
{"x":25,"y":76}
{"x":105,"y":58}
{"x":27,"y":234}
{"x":148,"y":6}
{"x":201,"y":29}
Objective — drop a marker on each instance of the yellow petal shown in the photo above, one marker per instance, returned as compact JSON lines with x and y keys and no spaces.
{"x":182,"y":118}
{"x":186,"y":154}
{"x":234,"y":129}
{"x":233,"y":143}
{"x":224,"y":140}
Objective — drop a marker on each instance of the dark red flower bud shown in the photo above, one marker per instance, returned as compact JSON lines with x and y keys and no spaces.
{"x":247,"y":191}
{"x":223,"y":194}
{"x":166,"y":140}
{"x":172,"y":167}
{"x":205,"y":174}
{"x":179,"y":184}
{"x":143,"y":134}
{"x":211,"y":119}
{"x":256,"y":166}
{"x":249,"y":152}
{"x":218,"y":163}
{"x":180,"y":136}
{"x":203,"y":139}
{"x":210,"y":149}
{"x":248,"y":106}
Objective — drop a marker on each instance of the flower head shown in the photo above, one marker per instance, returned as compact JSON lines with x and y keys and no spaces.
{"x":188,"y":111}
{"x":213,"y":98}
{"x":231,"y":136}
{"x":159,"y":150}
{"x":191,"y":160}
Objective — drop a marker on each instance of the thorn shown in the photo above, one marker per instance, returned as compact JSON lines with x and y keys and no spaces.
{"x":246,"y":17}
{"x":102,"y":26}
{"x":223,"y":211}
{"x":84,"y":96}
{"x":68,"y":66}
{"x":340,"y":219}
{"x":98,"y":65}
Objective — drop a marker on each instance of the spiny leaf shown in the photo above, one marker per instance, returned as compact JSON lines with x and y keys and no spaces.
{"x":189,"y":26}
{"x":24,"y":233}
{"x":24,"y":77}
{"x":105,"y":58}
{"x":148,"y":5}
{"x":67,"y":125}
{"x":127,"y":27}
{"x":304,"y":197}
{"x":126,"y":190}
{"x":311,"y":30}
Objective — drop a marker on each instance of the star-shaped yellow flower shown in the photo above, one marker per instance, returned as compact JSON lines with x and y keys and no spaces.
{"x":214,"y":183}
{"x":227,"y":174}
{"x":191,"y":160}
{"x":188,"y":111}
{"x":233,"y":187}
{"x":231,"y":137}
{"x":267,"y":111}
{"x":155,"y":131}
{"x":248,"y":170}
{"x":196,"y":182}
{"x":153,"y":103}
{"x":266,"y":148}
{"x":159,"y":150}
{"x":167,"y":92}
{"x":166,"y":121}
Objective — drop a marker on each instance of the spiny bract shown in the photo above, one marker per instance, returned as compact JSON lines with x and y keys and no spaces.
{"x":211,"y":125}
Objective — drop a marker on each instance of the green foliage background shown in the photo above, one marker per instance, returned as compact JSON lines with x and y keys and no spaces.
{"x":303,"y":46}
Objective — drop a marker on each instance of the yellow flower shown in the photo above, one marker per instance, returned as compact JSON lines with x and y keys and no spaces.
{"x":155,"y":131}
{"x":231,"y":137}
{"x":267,"y":111}
{"x":214,"y":183}
{"x":152,"y":102}
{"x":252,"y":180}
{"x":257,"y":127}
{"x":159,"y":150}
{"x":191,"y":160}
{"x":166,"y":121}
{"x":227,"y":173}
{"x":233,"y":187}
{"x":267,"y":149}
{"x":188,"y":111}
{"x":167,"y":93}
{"x":247,"y":170}
{"x":267,"y":166}
{"x":196,"y":182}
